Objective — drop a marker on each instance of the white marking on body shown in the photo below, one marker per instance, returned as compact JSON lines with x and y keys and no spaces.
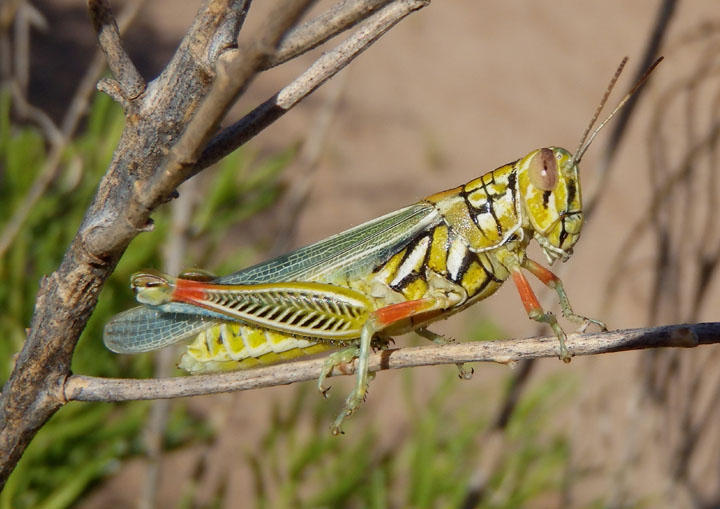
{"x":504,"y":208}
{"x":456,"y":255}
{"x":486,"y":222}
{"x":288,"y":343}
{"x":413,"y":261}
{"x":230,"y":341}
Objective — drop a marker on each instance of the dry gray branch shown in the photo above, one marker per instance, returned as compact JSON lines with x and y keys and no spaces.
{"x":322,"y":69}
{"x":121,"y":66}
{"x":85,"y":388}
{"x":313,"y":33}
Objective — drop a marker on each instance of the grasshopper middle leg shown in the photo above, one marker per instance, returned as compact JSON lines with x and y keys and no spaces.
{"x":464,"y":371}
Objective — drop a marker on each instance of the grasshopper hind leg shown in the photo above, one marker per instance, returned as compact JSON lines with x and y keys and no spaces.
{"x":346,"y":356}
{"x":357,"y":396}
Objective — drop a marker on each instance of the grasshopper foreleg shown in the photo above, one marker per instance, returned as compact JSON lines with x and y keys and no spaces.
{"x":535,"y":311}
{"x":464,"y":372}
{"x":554,"y":282}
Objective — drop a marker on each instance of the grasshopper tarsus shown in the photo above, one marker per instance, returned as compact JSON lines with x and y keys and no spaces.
{"x":465,"y":373}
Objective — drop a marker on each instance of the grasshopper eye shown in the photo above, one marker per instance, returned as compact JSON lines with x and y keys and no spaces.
{"x":543,"y":170}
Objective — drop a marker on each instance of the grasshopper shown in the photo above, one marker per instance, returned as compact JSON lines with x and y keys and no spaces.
{"x":391,"y":275}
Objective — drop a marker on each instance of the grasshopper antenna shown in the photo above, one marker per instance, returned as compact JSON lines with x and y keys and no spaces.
{"x":588,"y":136}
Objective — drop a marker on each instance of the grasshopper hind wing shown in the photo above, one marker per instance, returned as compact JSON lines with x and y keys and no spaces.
{"x":142,"y":329}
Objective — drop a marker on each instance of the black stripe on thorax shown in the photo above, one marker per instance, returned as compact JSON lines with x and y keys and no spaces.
{"x":491,"y":207}
{"x":464,"y":264}
{"x":404,"y":282}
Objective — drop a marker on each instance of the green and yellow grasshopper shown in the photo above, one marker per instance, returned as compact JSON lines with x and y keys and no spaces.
{"x":391,"y":275}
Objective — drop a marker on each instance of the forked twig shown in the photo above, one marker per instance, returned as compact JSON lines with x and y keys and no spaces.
{"x":74,"y":114}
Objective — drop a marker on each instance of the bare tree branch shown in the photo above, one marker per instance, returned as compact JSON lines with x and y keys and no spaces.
{"x":27,"y":16}
{"x":68,"y":296}
{"x":75,"y":113}
{"x":128,"y":77}
{"x":311,"y":34}
{"x":86,"y":388}
{"x":323,"y":69}
{"x":235,"y":69}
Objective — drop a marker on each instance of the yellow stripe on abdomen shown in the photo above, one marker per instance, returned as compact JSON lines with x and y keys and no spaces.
{"x":231,"y":346}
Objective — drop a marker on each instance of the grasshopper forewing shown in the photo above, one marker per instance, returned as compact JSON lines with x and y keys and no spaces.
{"x":391,"y":275}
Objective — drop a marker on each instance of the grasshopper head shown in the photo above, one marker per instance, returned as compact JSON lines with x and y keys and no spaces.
{"x":151,"y":287}
{"x":549,"y":187}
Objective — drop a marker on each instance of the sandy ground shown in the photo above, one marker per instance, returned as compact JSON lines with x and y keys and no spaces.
{"x":452,"y":92}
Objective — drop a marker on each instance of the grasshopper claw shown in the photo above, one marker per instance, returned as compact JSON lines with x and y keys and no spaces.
{"x":465,"y":373}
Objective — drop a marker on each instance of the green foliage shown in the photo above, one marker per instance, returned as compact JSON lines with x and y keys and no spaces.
{"x":83,"y":442}
{"x":427,"y":464}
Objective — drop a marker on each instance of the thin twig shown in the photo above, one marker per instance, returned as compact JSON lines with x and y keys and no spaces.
{"x":86,"y":388}
{"x":342,"y":16}
{"x":119,"y":62}
{"x":323,"y":69}
{"x":27,"y":111}
{"x":75,"y":112}
{"x":305,"y":168}
{"x":27,"y":16}
{"x":235,"y":70}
